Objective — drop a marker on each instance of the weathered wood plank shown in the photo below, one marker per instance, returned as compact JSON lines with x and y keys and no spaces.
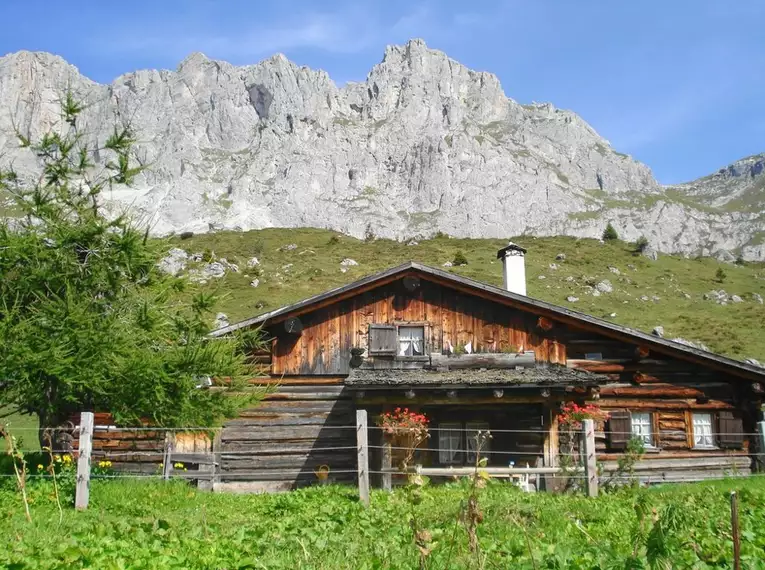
{"x":694,"y":456}
{"x":696,"y":463}
{"x":256,"y":448}
{"x":608,"y":403}
{"x":484,"y":360}
{"x":652,"y":391}
{"x":283,"y":433}
{"x":321,"y":419}
{"x":312,"y":461}
{"x":299,"y":381}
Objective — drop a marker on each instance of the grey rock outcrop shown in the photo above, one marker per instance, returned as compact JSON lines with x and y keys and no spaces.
{"x":692,"y":344}
{"x":174,"y":262}
{"x":605,"y":286}
{"x":221,"y":320}
{"x":424,"y":144}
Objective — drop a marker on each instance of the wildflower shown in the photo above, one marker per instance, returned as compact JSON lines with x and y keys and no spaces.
{"x":67,"y":459}
{"x":57,"y":458}
{"x":40,"y":467}
{"x":178,"y":465}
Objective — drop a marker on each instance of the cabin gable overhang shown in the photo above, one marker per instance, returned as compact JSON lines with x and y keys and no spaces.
{"x":498,"y":295}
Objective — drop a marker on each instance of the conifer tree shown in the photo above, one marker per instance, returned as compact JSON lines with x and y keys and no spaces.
{"x":87,"y":321}
{"x":609,"y":234}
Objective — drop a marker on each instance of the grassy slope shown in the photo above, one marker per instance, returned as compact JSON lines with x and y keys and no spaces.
{"x":735,"y":329}
{"x":153,"y":525}
{"x":25,"y":429}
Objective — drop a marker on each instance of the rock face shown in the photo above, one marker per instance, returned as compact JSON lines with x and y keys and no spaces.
{"x":423,"y":145}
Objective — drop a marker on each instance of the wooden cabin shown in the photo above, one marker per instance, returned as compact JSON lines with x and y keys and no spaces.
{"x":472,"y":356}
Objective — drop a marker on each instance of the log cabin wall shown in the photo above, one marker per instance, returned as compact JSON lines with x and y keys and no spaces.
{"x":669,"y":392}
{"x":452,"y":317}
{"x":280,"y":444}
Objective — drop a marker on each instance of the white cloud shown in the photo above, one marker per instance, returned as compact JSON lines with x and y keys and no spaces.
{"x":350,"y":30}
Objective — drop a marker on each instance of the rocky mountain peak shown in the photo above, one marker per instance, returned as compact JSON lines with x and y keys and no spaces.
{"x":423,"y":144}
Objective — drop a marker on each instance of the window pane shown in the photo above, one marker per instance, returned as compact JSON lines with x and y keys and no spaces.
{"x":449,"y":442}
{"x":411,"y":341}
{"x":641,"y":427}
{"x":471,"y":434}
{"x":702,"y":430}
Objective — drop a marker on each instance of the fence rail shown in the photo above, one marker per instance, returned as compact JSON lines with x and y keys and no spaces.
{"x":207,"y":466}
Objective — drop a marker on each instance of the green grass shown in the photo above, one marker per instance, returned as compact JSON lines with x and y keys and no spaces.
{"x":154,"y":525}
{"x":24,"y":428}
{"x":734,"y":329}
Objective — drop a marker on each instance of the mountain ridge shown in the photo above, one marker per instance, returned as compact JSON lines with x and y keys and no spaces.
{"x":422,"y":145}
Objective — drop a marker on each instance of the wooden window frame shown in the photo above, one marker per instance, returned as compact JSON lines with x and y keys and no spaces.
{"x":475,"y":426}
{"x":457,"y":426}
{"x":652,"y":423}
{"x":713,"y":426}
{"x":425,"y":356}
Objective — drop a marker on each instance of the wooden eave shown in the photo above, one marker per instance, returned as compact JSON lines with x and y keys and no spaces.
{"x":498,"y":295}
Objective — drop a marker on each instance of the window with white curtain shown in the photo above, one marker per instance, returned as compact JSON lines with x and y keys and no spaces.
{"x":471,"y":438}
{"x":703,"y":435}
{"x":411,"y":341}
{"x":641,"y":427}
{"x":449,"y":442}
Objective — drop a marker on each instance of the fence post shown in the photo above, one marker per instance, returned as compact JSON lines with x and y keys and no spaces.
{"x":589,"y":458}
{"x":216,"y":453}
{"x":387,"y":464}
{"x":82,"y":492}
{"x":167,"y":459}
{"x":761,"y":447}
{"x":735,"y":530}
{"x":362,"y":447}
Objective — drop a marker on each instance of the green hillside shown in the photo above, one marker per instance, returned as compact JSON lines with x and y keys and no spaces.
{"x":288,"y":275}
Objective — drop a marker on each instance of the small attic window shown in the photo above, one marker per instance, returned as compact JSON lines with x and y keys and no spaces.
{"x":405,"y":341}
{"x":411,"y":341}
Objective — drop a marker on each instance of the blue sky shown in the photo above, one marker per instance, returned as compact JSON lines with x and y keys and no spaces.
{"x":679,"y":84}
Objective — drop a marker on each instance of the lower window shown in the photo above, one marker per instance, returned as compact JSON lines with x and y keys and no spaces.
{"x":458,"y":442}
{"x":703,"y":435}
{"x":642,"y":428}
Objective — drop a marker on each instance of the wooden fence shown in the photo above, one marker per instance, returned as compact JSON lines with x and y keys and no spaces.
{"x":197,"y":456}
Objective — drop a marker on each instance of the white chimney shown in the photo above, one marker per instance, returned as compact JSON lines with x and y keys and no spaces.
{"x":513,"y":268}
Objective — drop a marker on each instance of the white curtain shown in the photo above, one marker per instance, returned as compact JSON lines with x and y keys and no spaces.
{"x":449,"y":442}
{"x":702,"y":430}
{"x":410,"y":341}
{"x":471,"y":435}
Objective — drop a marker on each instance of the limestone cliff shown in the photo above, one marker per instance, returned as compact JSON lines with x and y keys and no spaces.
{"x":423,"y":145}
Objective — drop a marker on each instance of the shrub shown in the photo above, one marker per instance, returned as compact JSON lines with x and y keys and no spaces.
{"x":208,"y":256}
{"x":641,"y":244}
{"x":334,"y":240}
{"x":369,"y":234}
{"x":609,"y":234}
{"x":720,"y":274}
{"x":459,"y":259}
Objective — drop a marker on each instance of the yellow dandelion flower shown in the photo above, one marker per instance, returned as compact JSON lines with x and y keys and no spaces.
{"x":40,"y":468}
{"x":178,"y":465}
